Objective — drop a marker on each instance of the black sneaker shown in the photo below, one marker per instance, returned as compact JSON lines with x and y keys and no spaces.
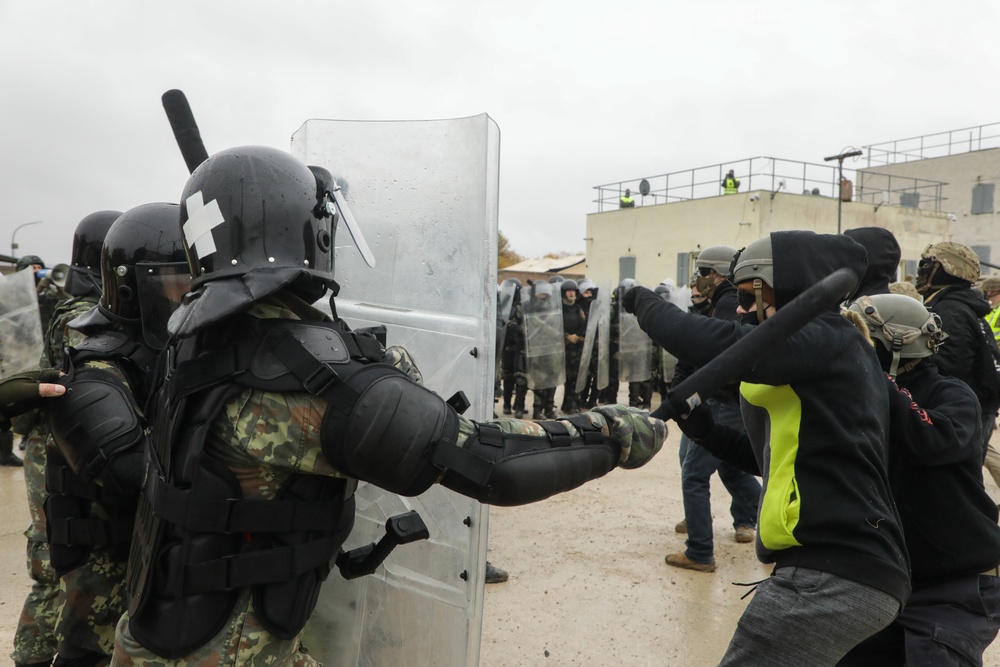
{"x":494,"y":575}
{"x":506,"y":409}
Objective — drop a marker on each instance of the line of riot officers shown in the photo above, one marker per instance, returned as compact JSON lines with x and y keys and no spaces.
{"x":564,"y":333}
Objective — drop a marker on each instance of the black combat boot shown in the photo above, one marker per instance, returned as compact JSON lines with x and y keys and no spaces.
{"x":7,"y":455}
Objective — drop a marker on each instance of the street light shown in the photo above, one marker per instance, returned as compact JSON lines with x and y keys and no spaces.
{"x":840,"y":178}
{"x":13,"y":245}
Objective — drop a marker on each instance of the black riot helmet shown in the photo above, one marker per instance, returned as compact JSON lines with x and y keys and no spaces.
{"x":85,"y":263}
{"x":144,"y":272}
{"x":254,"y":220}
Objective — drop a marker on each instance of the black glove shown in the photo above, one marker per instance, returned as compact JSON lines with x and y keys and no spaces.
{"x":698,"y":424}
{"x":19,"y":393}
{"x":628,"y":301}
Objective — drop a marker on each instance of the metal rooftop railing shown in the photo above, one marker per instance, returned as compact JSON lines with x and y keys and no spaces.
{"x":941,"y":144}
{"x":774,"y":175}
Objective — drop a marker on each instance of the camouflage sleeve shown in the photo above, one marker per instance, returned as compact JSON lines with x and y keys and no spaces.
{"x":398,"y":357}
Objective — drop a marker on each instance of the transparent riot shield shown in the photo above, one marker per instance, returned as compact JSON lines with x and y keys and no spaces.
{"x":20,"y":324}
{"x":635,"y":350}
{"x":544,"y":349}
{"x":506,"y":298}
{"x":424,"y":194}
{"x":596,"y":342}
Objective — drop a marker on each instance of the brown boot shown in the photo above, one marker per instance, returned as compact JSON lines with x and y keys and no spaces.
{"x":682,"y":526}
{"x":681,"y":560}
{"x":744,"y":534}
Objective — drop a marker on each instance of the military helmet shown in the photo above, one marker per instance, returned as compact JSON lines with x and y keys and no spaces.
{"x":755,"y":261}
{"x":85,"y":260}
{"x":542,"y":288}
{"x":587,"y":284}
{"x":511,"y":281}
{"x":567,"y":285}
{"x":957,"y":260}
{"x":29,"y":260}
{"x":254,"y":220}
{"x":990,"y":285}
{"x":902,"y":325}
{"x":144,"y":271}
{"x":556,"y":279}
{"x":717,"y":257}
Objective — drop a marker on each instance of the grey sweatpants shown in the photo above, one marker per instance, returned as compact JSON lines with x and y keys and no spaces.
{"x":806,"y":617}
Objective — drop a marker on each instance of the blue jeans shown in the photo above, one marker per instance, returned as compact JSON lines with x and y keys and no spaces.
{"x":696,"y":474}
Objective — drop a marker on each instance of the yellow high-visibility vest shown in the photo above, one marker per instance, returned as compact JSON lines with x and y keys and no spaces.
{"x":993,"y":319}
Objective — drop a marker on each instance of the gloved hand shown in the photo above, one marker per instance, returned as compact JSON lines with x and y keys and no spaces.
{"x":22,"y":392}
{"x":698,"y":424}
{"x":639,"y":435}
{"x":628,"y":301}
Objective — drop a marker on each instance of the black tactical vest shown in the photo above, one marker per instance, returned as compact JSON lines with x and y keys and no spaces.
{"x":109,"y":482}
{"x":197,"y":542}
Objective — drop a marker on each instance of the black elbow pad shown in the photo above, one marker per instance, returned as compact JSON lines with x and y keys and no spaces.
{"x":387,"y":434}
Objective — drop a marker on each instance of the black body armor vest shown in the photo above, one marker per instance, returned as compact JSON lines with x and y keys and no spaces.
{"x":197,"y":542}
{"x":97,"y":429}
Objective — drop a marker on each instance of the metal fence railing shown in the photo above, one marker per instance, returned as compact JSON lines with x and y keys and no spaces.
{"x":774,"y":175}
{"x":941,"y":144}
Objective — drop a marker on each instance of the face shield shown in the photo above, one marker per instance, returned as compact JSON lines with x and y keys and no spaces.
{"x":160,"y":286}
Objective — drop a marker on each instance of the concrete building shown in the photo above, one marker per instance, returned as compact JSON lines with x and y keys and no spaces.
{"x":967,"y":161}
{"x":925,"y":189}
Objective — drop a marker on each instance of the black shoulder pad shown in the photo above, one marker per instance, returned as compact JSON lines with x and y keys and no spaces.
{"x":103,"y":343}
{"x":93,"y":421}
{"x":322,"y":343}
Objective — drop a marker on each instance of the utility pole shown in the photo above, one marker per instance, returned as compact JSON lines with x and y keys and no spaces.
{"x":13,"y":245}
{"x":840,"y":178}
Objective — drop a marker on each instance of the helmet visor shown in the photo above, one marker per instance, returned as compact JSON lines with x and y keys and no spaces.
{"x":161,"y":287}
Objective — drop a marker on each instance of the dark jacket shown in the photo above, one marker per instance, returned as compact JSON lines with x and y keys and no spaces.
{"x":817,"y":419}
{"x":936,"y":474}
{"x":961,"y":308}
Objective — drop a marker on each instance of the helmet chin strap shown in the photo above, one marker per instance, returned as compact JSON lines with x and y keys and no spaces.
{"x":758,"y":293}
{"x":897,"y":347}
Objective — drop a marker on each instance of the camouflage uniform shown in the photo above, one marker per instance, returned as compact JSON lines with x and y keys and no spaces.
{"x":266,"y":437}
{"x":93,"y":595}
{"x":35,"y":637}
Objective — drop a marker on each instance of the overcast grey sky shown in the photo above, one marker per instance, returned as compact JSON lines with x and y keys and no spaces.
{"x":584,"y":92}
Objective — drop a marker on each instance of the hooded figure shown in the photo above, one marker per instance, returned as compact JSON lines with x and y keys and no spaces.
{"x":883,"y":259}
{"x":817,"y":420}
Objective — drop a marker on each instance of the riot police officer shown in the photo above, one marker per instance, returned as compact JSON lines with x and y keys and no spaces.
{"x":94,"y":467}
{"x":35,"y":638}
{"x":574,"y":319}
{"x":269,"y":414}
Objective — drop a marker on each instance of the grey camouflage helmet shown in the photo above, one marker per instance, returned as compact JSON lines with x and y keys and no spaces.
{"x":755,"y":261}
{"x":717,"y":257}
{"x":955,"y":259}
{"x":902,"y":325}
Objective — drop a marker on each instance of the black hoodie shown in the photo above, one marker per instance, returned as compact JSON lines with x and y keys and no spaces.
{"x":883,"y":259}
{"x":961,"y":310}
{"x":817,"y":417}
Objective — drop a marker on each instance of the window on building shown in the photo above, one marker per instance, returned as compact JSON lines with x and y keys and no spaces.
{"x":626,"y":268}
{"x":983,"y":251}
{"x":982,"y":198}
{"x":684,"y":265}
